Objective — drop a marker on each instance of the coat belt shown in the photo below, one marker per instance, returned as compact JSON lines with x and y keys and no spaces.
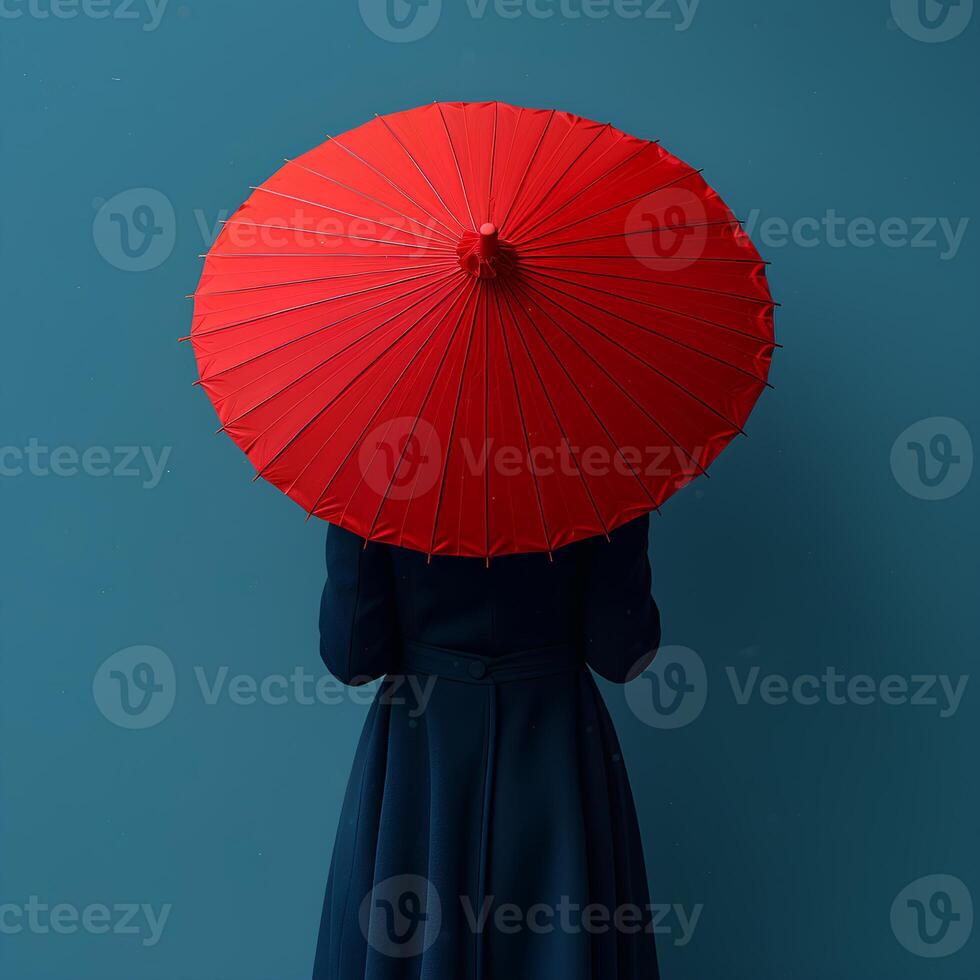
{"x":473,"y":668}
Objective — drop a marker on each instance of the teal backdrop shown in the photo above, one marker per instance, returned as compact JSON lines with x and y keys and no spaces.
{"x":804,"y":778}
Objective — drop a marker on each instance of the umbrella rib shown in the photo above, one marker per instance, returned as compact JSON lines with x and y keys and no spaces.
{"x":679,"y":258}
{"x":444,"y":249}
{"x":493,"y":160}
{"x":592,"y":408}
{"x":388,"y":180}
{"x":729,"y":222}
{"x":551,"y":405}
{"x":513,"y":141}
{"x":459,"y":170}
{"x":650,"y":330}
{"x":663,"y":309}
{"x":645,"y":412}
{"x":442,"y":268}
{"x":196,"y":335}
{"x":545,"y":168}
{"x":660,"y":282}
{"x":595,"y":180}
{"x":452,"y":432}
{"x":356,"y":443}
{"x":311,"y":333}
{"x":310,"y":255}
{"x":378,"y":201}
{"x":315,"y":279}
{"x":425,"y":176}
{"x":527,"y":441}
{"x":349,"y":214}
{"x":614,"y":207}
{"x":527,"y":169}
{"x":636,"y":357}
{"x":324,"y":407}
{"x":524,"y":215}
{"x":357,"y":341}
{"x":418,"y":415}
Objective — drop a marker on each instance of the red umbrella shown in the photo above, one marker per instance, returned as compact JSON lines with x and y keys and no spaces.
{"x":477,"y":329}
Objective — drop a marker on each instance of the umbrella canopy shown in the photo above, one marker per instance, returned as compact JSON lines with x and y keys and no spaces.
{"x":478,"y":329}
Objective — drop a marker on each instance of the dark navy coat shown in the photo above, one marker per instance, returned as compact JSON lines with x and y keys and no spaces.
{"x":488,"y":831}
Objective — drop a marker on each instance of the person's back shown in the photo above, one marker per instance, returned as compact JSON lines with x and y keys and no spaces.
{"x":488,"y":774}
{"x":593,"y":595}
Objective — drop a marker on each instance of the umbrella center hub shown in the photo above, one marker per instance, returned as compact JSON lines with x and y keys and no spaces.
{"x":489,"y":243}
{"x":482,"y":254}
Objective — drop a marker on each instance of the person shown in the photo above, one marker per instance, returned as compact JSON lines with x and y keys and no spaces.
{"x":488,"y":830}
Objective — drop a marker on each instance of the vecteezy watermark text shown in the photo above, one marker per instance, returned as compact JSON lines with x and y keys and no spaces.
{"x":403,"y":21}
{"x":402,"y":917}
{"x":38,"y":918}
{"x":932,"y":21}
{"x":933,"y":458}
{"x":834,"y":230}
{"x":404,"y":457}
{"x":679,"y":13}
{"x":836,"y":688}
{"x":671,"y":692}
{"x":149,"y":13}
{"x":136,"y":688}
{"x":932,"y":917}
{"x":303,"y":688}
{"x":99,"y":462}
{"x":572,"y":918}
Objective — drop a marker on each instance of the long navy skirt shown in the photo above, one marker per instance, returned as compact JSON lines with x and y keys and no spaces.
{"x":488,"y":831}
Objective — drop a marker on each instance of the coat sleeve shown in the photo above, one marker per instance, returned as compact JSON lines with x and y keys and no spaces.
{"x":359,"y":637}
{"x":622,"y":622}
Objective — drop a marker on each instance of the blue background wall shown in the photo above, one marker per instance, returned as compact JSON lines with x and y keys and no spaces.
{"x":792,"y":827}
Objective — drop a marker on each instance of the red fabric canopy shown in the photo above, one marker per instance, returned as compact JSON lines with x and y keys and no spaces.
{"x":477,"y":329}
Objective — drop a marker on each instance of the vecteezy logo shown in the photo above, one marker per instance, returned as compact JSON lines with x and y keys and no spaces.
{"x":136,"y":230}
{"x":401,"y":20}
{"x":933,"y":916}
{"x":933,"y":459}
{"x":401,"y":916}
{"x":136,"y":687}
{"x":932,"y":20}
{"x":667,"y":229}
{"x":672,"y":691}
{"x":401,"y":459}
